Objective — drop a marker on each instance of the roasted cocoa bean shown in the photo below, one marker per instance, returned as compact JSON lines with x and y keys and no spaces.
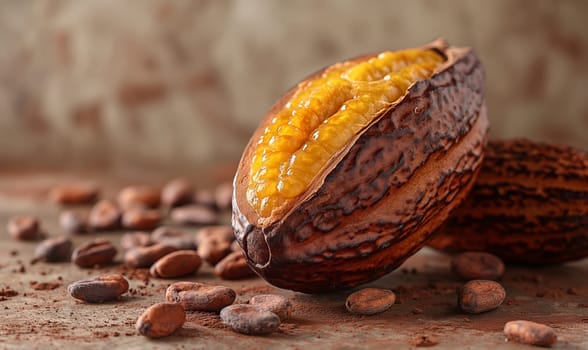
{"x":177,"y":192}
{"x":477,"y":265}
{"x":176,"y":264}
{"x":139,"y":197}
{"x":141,"y":219}
{"x":135,"y":239}
{"x":146,"y":256}
{"x":98,"y":252}
{"x":531,"y":333}
{"x":277,"y":304}
{"x":479,"y":296}
{"x":74,"y":221}
{"x":370,"y":301}
{"x":100,"y":289}
{"x":214,"y":243}
{"x":174,"y":237}
{"x":105,"y":215}
{"x":161,"y":320}
{"x":74,"y":193}
{"x":200,"y":296}
{"x":233,"y":266}
{"x":24,"y":228}
{"x":249,"y":319}
{"x":223,"y":195}
{"x":205,"y":197}
{"x":193,"y":214}
{"x":54,"y":249}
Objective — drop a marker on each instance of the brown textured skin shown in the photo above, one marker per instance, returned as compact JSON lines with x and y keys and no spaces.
{"x":529,"y":205}
{"x":531,"y":333}
{"x":380,"y":198}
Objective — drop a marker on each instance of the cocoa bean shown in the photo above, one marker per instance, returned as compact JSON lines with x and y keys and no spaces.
{"x":214,"y":243}
{"x":24,"y":228}
{"x":249,"y":319}
{"x":174,"y":237}
{"x":223,"y":195}
{"x":146,"y":256}
{"x":477,"y":265}
{"x":100,"y":289}
{"x":177,"y":192}
{"x":74,"y":221}
{"x":479,"y":296}
{"x":277,"y":304}
{"x":161,"y":320}
{"x":531,"y":333}
{"x":176,"y":264}
{"x":200,"y":296}
{"x":233,"y":266}
{"x":54,"y":249}
{"x":139,"y":197}
{"x":204,"y":197}
{"x":370,"y":301}
{"x":98,"y":252}
{"x":135,"y":239}
{"x":74,"y":193}
{"x":105,"y":215}
{"x":141,"y":219}
{"x":193,"y":214}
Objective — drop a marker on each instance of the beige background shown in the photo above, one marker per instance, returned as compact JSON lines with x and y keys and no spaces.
{"x":110,"y":83}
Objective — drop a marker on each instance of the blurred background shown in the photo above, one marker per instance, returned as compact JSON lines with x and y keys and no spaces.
{"x":180,"y":85}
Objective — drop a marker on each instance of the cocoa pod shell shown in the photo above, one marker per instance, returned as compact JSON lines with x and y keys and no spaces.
{"x":529,"y":205}
{"x":378,"y":199}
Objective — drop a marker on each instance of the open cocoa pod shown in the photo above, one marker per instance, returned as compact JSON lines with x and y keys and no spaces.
{"x":529,"y":205}
{"x":354,"y":168}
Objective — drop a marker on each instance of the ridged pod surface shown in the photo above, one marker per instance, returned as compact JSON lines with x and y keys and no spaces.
{"x":381,"y":195}
{"x":528,"y":205}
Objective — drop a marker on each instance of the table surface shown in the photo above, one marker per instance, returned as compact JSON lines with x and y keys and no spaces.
{"x":425,"y":288}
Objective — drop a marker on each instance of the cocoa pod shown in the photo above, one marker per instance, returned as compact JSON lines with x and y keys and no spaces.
{"x":380,"y":196}
{"x":529,"y":205}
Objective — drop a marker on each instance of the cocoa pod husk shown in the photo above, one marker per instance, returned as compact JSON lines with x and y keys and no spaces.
{"x":379,"y":198}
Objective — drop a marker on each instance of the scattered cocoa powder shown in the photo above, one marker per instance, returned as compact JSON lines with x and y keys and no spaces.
{"x":44,"y":285}
{"x":423,"y":341}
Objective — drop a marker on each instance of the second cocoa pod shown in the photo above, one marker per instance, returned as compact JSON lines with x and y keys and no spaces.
{"x":529,"y":205}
